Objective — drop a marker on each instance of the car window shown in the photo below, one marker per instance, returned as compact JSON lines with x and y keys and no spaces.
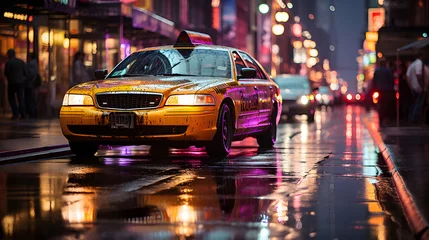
{"x":239,"y":63}
{"x":293,"y":84}
{"x":252,"y":64}
{"x":324,"y":90}
{"x":190,"y":62}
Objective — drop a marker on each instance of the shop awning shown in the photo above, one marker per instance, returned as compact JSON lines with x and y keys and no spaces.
{"x":415,"y":45}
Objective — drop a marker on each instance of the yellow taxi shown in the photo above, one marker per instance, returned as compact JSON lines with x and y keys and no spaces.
{"x":192,"y":93}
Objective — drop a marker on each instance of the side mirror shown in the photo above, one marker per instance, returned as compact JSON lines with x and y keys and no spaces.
{"x":100,"y":74}
{"x":248,"y":73}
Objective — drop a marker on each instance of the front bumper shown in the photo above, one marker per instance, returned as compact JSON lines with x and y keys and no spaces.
{"x":187,"y":124}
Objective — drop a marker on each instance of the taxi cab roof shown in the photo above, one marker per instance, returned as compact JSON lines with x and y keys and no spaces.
{"x":191,"y":40}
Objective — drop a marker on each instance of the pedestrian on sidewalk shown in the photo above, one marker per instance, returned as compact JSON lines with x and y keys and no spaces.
{"x":16,"y":73}
{"x":418,"y":80}
{"x":384,"y":84}
{"x":79,"y":73}
{"x":405,"y":94}
{"x":3,"y":86}
{"x":30,"y":86}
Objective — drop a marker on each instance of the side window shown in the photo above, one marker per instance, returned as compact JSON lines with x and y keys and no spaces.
{"x":239,"y":63}
{"x":252,"y":64}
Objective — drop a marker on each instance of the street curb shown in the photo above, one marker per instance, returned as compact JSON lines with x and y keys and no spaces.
{"x":30,"y":150}
{"x":34,"y":153}
{"x":418,"y":224}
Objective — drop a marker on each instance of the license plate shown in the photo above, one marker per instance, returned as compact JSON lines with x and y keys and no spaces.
{"x":122,"y":120}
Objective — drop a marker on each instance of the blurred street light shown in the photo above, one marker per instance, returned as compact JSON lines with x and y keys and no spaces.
{"x":297,"y":19}
{"x":297,"y":44}
{"x":264,"y":8}
{"x":332,"y":8}
{"x":278,"y":29}
{"x":311,"y":62}
{"x":282,"y":16}
{"x":425,"y":35}
{"x":332,"y":48}
{"x":275,"y":49}
{"x":297,"y":30}
{"x":314,"y":52}
{"x":289,"y":5}
{"x":311,"y":16}
{"x":307,"y":43}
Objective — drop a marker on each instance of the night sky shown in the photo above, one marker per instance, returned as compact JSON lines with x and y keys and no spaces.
{"x":350,"y":25}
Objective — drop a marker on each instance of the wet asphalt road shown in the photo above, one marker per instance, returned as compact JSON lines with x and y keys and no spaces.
{"x":323,"y":180}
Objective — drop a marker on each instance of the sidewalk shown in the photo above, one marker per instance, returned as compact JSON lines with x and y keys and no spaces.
{"x":406,"y":151}
{"x":29,"y":136}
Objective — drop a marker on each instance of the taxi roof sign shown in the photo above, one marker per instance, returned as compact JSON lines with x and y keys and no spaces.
{"x":191,"y":38}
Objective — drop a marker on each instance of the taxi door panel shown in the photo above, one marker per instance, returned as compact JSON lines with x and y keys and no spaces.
{"x":247,"y":118}
{"x":263,"y":91}
{"x":265,"y":95}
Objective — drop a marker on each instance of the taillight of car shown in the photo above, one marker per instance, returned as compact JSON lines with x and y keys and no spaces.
{"x":357,"y":97}
{"x":375,"y":97}
{"x":349,"y":97}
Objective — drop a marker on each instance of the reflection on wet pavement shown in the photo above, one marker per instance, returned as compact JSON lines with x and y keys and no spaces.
{"x":322,"y":180}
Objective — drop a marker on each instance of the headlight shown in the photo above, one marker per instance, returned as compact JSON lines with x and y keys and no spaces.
{"x":190,"y":99}
{"x":77,"y":100}
{"x":303,"y":100}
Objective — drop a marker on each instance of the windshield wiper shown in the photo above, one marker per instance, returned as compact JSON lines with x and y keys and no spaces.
{"x":131,"y":75}
{"x":175,"y":74}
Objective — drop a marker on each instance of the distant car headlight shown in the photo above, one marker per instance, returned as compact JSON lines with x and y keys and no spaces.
{"x":77,"y":100}
{"x":318,"y":97}
{"x":303,"y":100}
{"x":190,"y":100}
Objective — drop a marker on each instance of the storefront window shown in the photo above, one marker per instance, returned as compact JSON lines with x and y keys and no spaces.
{"x":53,"y":44}
{"x":112,"y":54}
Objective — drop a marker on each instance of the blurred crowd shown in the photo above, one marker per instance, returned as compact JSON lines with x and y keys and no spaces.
{"x":410,"y":80}
{"x":21,"y":82}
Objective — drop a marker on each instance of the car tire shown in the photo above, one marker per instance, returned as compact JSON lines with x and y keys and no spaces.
{"x":83,"y":149}
{"x":310,"y":117}
{"x":268,"y":138}
{"x":221,"y":143}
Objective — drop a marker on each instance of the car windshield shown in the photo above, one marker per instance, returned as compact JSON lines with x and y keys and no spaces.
{"x":175,"y":62}
{"x":324,"y":90}
{"x":293,"y":83}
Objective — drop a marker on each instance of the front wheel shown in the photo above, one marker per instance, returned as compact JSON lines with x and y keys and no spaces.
{"x":268,"y":138}
{"x":83,"y":149}
{"x":221,"y":143}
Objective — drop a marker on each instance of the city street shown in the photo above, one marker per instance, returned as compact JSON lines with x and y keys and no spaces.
{"x":322,"y":180}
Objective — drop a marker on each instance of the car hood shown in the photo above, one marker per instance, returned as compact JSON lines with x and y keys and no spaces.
{"x":164,"y":85}
{"x":293,"y":94}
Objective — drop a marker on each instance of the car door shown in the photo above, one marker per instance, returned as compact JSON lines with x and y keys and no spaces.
{"x":247,"y":119}
{"x":264,"y":90}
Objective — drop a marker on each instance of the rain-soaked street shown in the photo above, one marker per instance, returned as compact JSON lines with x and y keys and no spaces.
{"x":323,"y":180}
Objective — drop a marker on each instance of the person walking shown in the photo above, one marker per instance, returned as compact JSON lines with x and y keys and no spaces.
{"x":79,"y":73}
{"x":384,"y":84}
{"x":30,"y":85}
{"x":16,"y":73}
{"x":418,"y":80}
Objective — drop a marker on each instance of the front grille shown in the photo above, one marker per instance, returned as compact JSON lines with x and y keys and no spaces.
{"x":103,"y":130}
{"x":128,"y":100}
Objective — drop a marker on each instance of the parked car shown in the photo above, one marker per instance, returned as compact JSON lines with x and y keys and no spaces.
{"x":325,"y":96}
{"x":298,"y":97}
